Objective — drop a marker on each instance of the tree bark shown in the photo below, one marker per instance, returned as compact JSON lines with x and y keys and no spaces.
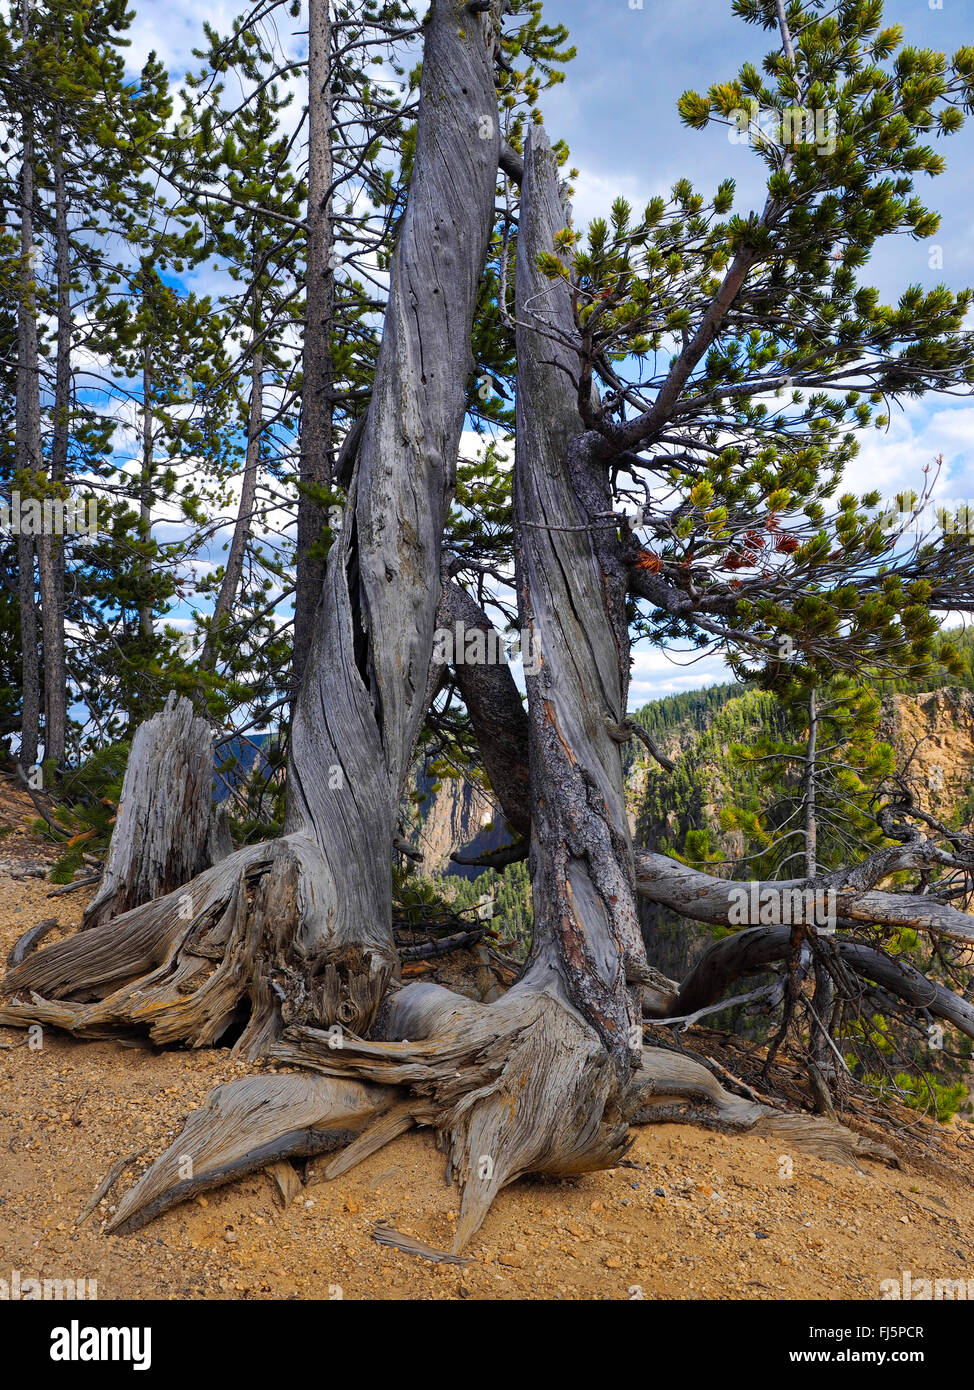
{"x":362,"y":704}
{"x":572,"y":589}
{"x":55,"y":671}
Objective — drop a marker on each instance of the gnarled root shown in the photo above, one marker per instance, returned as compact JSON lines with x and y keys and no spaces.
{"x":520,"y":1086}
{"x":246,"y":935}
{"x":515,"y":1087}
{"x":669,"y":1088}
{"x":247,"y":1125}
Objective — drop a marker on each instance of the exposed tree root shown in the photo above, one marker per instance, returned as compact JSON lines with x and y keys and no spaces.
{"x":670,"y":1088}
{"x":409,"y":1245}
{"x":30,"y":940}
{"x":245,"y":935}
{"x":245,"y":1126}
{"x":520,"y":1086}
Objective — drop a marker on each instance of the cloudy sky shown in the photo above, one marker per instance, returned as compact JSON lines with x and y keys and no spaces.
{"x":617,"y":111}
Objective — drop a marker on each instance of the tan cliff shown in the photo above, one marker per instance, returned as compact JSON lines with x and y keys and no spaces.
{"x":933,"y":734}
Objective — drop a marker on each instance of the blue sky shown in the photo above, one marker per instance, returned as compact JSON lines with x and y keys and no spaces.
{"x":617,"y":111}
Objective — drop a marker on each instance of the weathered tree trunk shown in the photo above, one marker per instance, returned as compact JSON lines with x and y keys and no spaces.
{"x":319,"y":931}
{"x":318,"y":373}
{"x":166,"y":831}
{"x":572,"y":589}
{"x":363,"y":700}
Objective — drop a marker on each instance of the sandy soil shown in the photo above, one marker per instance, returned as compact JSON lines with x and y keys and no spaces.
{"x":698,"y":1215}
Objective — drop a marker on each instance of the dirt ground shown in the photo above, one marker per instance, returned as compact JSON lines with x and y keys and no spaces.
{"x":697,"y":1215}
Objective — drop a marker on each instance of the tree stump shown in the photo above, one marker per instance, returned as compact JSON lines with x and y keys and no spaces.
{"x":167,"y":831}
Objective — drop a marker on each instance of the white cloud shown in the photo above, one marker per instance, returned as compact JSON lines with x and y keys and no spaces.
{"x":656,"y":673}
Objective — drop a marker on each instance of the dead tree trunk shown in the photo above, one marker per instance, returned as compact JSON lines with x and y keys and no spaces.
{"x":166,"y":831}
{"x":363,"y":700}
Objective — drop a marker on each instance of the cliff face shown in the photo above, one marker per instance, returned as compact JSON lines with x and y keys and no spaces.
{"x":461,"y":815}
{"x":934,"y":733}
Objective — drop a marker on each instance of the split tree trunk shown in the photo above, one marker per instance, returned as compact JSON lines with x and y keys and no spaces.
{"x":363,"y":698}
{"x":313,"y":943}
